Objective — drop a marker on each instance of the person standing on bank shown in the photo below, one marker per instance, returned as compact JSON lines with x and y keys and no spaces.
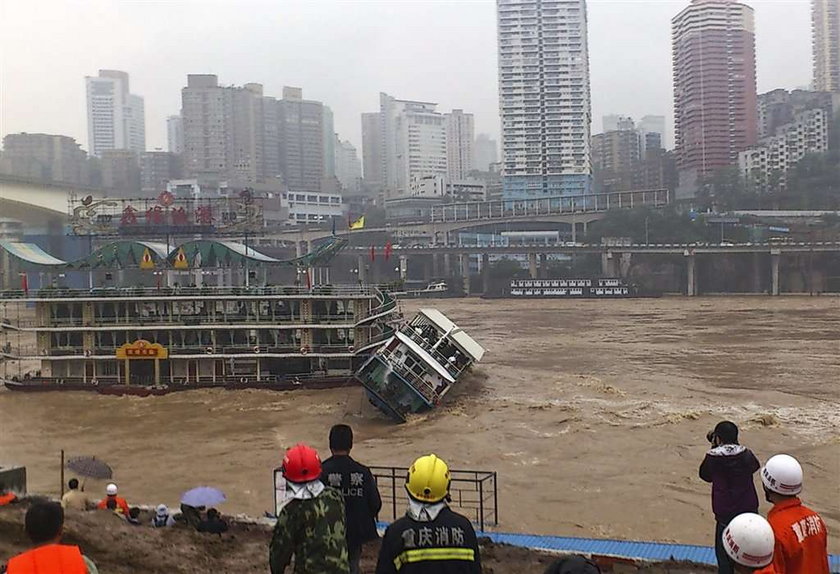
{"x":729,"y":466}
{"x":431,"y":538}
{"x":362,"y":502}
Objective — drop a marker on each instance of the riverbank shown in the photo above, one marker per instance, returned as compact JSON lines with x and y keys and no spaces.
{"x":119,"y":548}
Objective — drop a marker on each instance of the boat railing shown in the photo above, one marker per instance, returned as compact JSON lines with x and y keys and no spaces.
{"x":213,"y":292}
{"x":345,"y":319}
{"x":343,"y":348}
{"x":436,"y":355}
{"x":417,"y":383}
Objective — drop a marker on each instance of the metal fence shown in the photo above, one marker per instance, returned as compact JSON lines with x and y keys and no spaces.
{"x":474,"y":493}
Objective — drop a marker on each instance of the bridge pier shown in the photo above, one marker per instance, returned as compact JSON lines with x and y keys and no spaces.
{"x":532,"y":265}
{"x":465,"y":272}
{"x":691,"y":291}
{"x":485,"y":273}
{"x":543,"y":271}
{"x":624,"y":263}
{"x":756,"y":273}
{"x":447,"y":265}
{"x":403,"y":267}
{"x":775,"y":256}
{"x":436,"y":265}
{"x":609,"y":267}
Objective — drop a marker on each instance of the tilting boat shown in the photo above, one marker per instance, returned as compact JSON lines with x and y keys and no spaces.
{"x":414,"y":369}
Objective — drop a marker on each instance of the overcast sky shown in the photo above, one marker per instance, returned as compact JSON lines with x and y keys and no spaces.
{"x":342,"y":52}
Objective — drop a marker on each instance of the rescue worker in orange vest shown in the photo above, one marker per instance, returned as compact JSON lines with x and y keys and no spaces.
{"x":801,"y":535}
{"x":44,"y":524}
{"x":748,"y":541}
{"x":6,"y":496}
{"x":121,"y":505}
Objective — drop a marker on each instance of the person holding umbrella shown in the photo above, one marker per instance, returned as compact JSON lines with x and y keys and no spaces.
{"x":194,"y":501}
{"x":311,"y":525}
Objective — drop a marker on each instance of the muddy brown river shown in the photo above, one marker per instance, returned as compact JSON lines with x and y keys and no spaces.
{"x":594,"y":414}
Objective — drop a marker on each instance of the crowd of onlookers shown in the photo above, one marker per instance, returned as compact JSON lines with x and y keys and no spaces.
{"x":330,"y":509}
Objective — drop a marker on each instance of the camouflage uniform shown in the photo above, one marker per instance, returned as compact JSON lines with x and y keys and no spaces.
{"x":313,"y":530}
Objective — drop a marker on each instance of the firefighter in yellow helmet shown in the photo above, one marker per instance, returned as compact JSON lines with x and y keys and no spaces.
{"x":431,"y":538}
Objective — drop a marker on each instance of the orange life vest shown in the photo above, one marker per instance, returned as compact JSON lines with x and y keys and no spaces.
{"x":52,"y":558}
{"x":7,"y":498}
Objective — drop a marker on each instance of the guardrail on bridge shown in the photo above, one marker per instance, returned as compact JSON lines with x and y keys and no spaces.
{"x":559,"y":205}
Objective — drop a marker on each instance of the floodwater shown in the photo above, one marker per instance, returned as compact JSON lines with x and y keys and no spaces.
{"x":594,"y":414}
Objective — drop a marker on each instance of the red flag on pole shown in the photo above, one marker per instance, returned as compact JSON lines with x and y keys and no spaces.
{"x":388,"y":249}
{"x":372,"y":253}
{"x":24,"y":283}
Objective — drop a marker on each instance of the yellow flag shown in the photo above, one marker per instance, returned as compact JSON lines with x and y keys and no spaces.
{"x":146,"y":261}
{"x":359,"y":223}
{"x":181,"y":260}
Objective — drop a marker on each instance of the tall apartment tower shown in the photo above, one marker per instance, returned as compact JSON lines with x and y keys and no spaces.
{"x":825,"y":23}
{"x":715,"y":102}
{"x":372,"y":149}
{"x":226,"y":136}
{"x":544,"y":97}
{"x":302,"y":147}
{"x":460,"y":138}
{"x":175,"y":134}
{"x":413,"y":136}
{"x":486,"y":152}
{"x":116,"y":117}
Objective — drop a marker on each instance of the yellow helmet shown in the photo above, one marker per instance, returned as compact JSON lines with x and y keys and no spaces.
{"x":428,"y":479}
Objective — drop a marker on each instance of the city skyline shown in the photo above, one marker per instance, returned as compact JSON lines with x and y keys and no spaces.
{"x":344,"y":69}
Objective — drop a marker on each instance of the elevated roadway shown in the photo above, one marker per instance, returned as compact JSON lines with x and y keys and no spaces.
{"x":38,"y":204}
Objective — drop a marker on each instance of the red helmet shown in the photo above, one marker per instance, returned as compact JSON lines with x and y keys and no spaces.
{"x":301,"y":464}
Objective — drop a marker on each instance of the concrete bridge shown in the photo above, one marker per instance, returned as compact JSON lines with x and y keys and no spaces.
{"x":615,"y":259}
{"x":442,"y":220}
{"x":38,"y":204}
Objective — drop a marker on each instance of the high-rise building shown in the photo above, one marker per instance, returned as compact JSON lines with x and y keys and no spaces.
{"x":460,"y":137}
{"x":615,"y":122}
{"x":765,"y":166}
{"x":120,"y":173}
{"x":780,"y":107}
{"x":616,"y":155}
{"x":715,"y":115}
{"x":825,"y":24}
{"x":116,"y":117}
{"x":372,"y":149}
{"x":413,"y":135}
{"x":301,"y":141}
{"x":230,"y":133}
{"x":544,"y":97}
{"x":157,"y":168}
{"x":175,"y":134}
{"x":328,"y":137}
{"x":45,"y":157}
{"x":486,"y":152}
{"x":652,"y":125}
{"x":348,"y":168}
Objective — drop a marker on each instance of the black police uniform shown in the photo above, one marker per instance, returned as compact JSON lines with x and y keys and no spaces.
{"x":446,"y":545}
{"x":361,"y":497}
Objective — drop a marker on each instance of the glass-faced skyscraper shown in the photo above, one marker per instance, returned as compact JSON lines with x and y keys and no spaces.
{"x":544,"y":97}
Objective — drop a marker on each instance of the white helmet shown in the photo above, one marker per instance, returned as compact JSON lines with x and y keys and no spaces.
{"x":782,"y":474}
{"x":749,"y":540}
{"x":111,"y":489}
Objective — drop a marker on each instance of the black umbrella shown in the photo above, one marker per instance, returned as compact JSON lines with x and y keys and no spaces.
{"x":90,"y":466}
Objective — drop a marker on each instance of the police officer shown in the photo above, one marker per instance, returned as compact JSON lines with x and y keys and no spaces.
{"x":310,"y":526}
{"x":430,"y":538}
{"x":361,"y":496}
